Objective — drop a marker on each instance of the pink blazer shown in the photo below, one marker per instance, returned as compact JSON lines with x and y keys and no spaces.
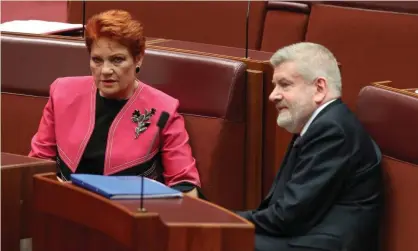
{"x":68,"y":121}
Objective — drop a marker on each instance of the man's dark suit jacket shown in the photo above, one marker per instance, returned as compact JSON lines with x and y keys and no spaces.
{"x":328,"y":191}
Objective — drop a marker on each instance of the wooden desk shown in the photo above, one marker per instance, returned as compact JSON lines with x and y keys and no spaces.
{"x":71,"y":218}
{"x":16,"y":196}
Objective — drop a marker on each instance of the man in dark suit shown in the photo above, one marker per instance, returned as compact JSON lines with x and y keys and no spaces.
{"x":328,"y":192}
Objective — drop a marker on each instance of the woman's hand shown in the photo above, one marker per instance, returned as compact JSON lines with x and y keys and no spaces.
{"x":192,"y":193}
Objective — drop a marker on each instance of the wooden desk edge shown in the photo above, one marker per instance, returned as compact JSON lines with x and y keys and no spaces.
{"x":226,"y":211}
{"x":51,"y":178}
{"x":243,"y":59}
{"x":36,"y":161}
{"x":63,"y":38}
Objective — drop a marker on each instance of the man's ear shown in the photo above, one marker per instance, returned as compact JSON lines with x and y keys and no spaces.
{"x":321,"y":89}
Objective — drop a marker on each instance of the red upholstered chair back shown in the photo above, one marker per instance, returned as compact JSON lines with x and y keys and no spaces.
{"x":212,"y":97}
{"x":29,"y":65}
{"x":391,"y":117}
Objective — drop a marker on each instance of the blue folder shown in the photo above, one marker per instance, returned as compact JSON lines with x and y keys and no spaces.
{"x":124,"y":187}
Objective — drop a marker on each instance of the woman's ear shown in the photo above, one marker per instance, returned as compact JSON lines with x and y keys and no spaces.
{"x":138,"y":62}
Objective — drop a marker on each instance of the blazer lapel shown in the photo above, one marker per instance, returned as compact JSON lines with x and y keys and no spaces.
{"x":286,"y":168}
{"x":287,"y":172}
{"x":283,"y":172}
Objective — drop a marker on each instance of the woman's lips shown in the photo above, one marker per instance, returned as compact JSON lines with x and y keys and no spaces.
{"x":108,"y":82}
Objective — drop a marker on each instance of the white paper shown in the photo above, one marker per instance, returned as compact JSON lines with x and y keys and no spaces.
{"x":37,"y":26}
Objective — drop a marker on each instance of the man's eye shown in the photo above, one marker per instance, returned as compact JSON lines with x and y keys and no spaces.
{"x":284,"y":84}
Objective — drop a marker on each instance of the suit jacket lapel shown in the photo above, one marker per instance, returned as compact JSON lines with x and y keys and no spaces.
{"x":287,"y":159}
{"x":286,"y":168}
{"x":287,"y":172}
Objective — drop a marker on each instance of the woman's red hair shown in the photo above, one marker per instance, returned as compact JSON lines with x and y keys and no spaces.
{"x":117,"y":25}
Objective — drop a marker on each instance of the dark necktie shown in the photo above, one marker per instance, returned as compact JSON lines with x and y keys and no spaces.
{"x":296,"y":142}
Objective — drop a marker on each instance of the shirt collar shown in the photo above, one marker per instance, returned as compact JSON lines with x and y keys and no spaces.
{"x":316,"y":112}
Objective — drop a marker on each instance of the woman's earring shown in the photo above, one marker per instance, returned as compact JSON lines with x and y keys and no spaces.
{"x":137,"y":69}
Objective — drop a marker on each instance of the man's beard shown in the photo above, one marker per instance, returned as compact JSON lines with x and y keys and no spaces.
{"x":294,"y":116}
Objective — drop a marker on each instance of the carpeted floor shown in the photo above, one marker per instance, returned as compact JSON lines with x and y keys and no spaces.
{"x":35,"y":10}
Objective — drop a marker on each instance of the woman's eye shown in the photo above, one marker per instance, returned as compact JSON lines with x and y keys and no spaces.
{"x":117,"y":60}
{"x":96,"y":60}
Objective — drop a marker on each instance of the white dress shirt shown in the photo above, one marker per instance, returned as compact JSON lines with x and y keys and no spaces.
{"x":316,"y":112}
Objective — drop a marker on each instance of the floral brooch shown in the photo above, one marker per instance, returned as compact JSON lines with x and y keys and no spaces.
{"x":142,"y":120}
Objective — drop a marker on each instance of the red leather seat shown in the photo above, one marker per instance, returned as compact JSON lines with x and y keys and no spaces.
{"x":390,"y":116}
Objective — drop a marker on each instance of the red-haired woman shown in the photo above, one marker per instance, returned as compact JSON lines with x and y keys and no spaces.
{"x":104,"y":124}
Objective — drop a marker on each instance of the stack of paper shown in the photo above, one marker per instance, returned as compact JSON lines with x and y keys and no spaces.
{"x":38,"y":26}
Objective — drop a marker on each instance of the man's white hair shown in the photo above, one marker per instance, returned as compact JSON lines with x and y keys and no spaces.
{"x":312,"y":61}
